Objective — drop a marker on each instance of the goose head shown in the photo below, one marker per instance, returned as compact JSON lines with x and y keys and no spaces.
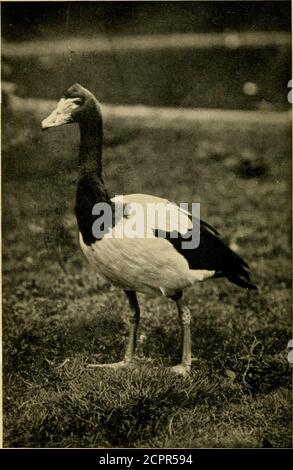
{"x":76,"y":105}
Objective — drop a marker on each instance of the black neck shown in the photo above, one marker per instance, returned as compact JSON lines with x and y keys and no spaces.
{"x":90,"y":188}
{"x":91,"y":143}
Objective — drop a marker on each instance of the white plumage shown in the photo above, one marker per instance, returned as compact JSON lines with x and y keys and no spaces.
{"x":143,"y":265}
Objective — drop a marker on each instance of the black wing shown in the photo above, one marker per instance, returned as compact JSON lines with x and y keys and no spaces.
{"x":211,"y":254}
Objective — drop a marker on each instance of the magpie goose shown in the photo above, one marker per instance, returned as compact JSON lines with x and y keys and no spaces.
{"x":147,"y":263}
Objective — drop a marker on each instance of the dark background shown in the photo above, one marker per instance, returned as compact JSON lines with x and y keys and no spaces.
{"x":176,"y":76}
{"x":27,"y":20}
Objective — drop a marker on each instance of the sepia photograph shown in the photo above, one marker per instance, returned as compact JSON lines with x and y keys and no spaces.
{"x":146,"y":227}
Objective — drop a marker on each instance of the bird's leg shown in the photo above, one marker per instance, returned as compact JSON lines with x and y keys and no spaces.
{"x":184,"y":316}
{"x":133,"y":321}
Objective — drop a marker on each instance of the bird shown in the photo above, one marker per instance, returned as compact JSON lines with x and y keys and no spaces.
{"x":155,"y":260}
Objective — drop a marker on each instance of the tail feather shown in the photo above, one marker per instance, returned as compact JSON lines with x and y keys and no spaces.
{"x":242,"y":282}
{"x":212,"y":254}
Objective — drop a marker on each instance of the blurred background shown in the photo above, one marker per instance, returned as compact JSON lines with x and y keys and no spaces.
{"x":154,"y":53}
{"x":195,"y":105}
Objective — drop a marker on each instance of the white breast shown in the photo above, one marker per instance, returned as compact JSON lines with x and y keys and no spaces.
{"x":143,"y":264}
{"x":139,"y":264}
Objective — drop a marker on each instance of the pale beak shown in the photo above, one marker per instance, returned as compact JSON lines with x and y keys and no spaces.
{"x":62,"y":114}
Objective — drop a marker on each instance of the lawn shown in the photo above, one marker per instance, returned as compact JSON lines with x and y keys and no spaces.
{"x":58,"y":315}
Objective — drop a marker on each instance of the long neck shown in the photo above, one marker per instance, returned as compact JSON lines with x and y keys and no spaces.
{"x":90,"y":187}
{"x":91,"y":142}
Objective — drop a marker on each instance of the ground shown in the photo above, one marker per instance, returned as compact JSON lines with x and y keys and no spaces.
{"x":58,"y":315}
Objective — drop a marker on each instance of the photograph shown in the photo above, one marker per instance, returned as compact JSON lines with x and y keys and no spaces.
{"x":146,"y":228}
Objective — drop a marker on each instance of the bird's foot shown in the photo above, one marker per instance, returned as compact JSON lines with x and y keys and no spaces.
{"x":113,"y":365}
{"x":181,"y":369}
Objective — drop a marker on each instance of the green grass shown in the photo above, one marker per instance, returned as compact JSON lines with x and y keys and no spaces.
{"x":58,"y":314}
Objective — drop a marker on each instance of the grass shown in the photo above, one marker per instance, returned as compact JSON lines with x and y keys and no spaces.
{"x":58,"y":314}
